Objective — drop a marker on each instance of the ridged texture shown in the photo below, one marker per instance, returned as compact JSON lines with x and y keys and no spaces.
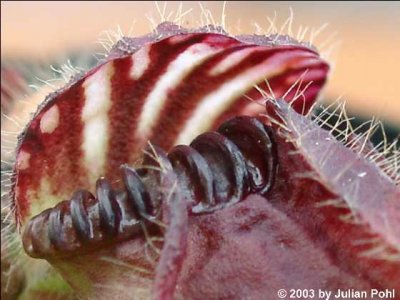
{"x":217,"y":169}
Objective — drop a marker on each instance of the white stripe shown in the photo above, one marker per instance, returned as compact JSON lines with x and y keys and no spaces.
{"x":176,"y":72}
{"x":215,"y":103}
{"x":140,"y":62}
{"x":309,"y":76}
{"x":179,"y":38}
{"x":50,"y":120}
{"x":233,"y":59}
{"x":254,"y":108}
{"x":23,"y":160}
{"x":94,"y":116}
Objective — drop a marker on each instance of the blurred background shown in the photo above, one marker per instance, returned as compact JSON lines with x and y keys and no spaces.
{"x":361,"y":39}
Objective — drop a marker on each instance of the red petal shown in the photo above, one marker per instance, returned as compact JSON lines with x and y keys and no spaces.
{"x":167,"y":92}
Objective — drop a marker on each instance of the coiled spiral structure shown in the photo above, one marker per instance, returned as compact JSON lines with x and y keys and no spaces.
{"x":217,"y":169}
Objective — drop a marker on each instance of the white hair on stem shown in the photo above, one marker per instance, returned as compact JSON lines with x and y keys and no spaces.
{"x":127,"y":265}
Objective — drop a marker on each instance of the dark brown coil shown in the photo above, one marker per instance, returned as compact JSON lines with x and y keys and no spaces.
{"x":217,"y":169}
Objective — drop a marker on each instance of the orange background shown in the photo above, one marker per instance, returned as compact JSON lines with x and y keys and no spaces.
{"x":367,"y":61}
